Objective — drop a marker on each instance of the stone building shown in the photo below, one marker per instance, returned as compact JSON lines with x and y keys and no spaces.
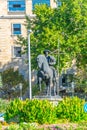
{"x":12,"y":18}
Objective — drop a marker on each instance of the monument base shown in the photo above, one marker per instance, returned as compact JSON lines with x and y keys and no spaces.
{"x":54,"y":99}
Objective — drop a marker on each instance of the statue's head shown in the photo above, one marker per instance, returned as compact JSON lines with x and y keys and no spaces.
{"x":46,"y":52}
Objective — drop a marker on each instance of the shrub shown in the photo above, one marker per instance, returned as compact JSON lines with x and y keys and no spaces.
{"x":41,"y":111}
{"x":0,"y":126}
{"x":3,"y":105}
{"x":11,"y":79}
{"x":71,"y":109}
{"x":13,"y":110}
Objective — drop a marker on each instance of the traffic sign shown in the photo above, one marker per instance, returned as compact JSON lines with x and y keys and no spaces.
{"x":85,"y":107}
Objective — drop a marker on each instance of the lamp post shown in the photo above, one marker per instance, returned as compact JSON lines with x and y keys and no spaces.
{"x":20,"y":86}
{"x":29,"y":64}
{"x":58,"y":66}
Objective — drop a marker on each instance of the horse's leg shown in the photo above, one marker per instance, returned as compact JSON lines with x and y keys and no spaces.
{"x":57,"y":86}
{"x":54,"y":87}
{"x":47,"y":86}
{"x":50,"y":86}
{"x":39,"y":83}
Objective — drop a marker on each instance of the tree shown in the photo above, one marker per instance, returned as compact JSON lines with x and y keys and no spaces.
{"x":73,"y":25}
{"x":11,"y":80}
{"x":68,"y":23}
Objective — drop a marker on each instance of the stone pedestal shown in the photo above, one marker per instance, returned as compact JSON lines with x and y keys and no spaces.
{"x":53,"y":99}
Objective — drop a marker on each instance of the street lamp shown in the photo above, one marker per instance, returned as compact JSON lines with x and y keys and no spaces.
{"x":29,"y":64}
{"x":58,"y":66}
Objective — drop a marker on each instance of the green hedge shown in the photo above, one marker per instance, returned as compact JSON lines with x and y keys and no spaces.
{"x":71,"y":109}
{"x":42,"y":111}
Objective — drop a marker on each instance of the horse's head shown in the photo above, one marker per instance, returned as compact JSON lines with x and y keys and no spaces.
{"x":43,"y":65}
{"x":40,"y":60}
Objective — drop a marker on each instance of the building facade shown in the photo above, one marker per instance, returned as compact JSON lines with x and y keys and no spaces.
{"x":12,"y":18}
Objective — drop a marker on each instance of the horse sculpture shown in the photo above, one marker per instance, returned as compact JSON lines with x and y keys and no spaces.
{"x":45,"y":73}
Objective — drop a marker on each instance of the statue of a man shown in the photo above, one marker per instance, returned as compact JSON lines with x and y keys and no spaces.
{"x":51,"y":61}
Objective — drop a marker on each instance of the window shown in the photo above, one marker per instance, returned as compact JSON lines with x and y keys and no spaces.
{"x":16,"y":5}
{"x":16,"y":29}
{"x":16,"y":52}
{"x":34,"y":2}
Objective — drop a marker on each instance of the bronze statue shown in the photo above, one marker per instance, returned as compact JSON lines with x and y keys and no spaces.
{"x":51,"y":61}
{"x":47,"y":72}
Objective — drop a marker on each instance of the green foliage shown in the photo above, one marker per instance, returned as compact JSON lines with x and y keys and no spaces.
{"x":81,"y":80}
{"x":71,"y":109}
{"x":14,"y":127}
{"x":73,"y":23}
{"x":0,"y":126}
{"x":68,"y":23}
{"x":36,"y":90}
{"x":22,"y":126}
{"x":44,"y":32}
{"x":34,"y":126}
{"x":12,"y":76}
{"x":41,"y":111}
{"x":11,"y":79}
{"x":13,"y":109}
{"x":3,"y":105}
